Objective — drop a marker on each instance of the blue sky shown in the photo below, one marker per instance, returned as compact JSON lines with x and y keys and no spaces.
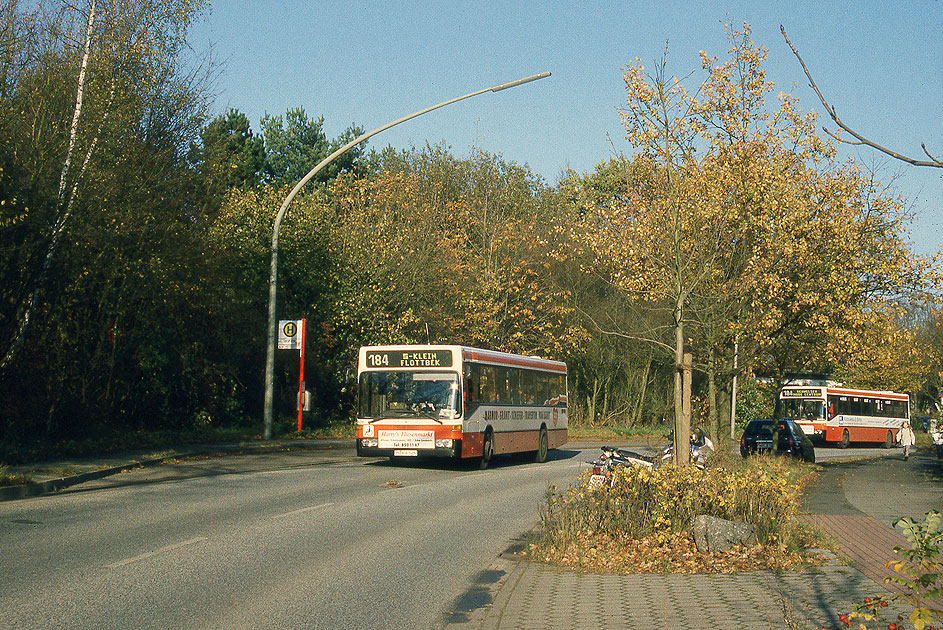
{"x":879,"y":63}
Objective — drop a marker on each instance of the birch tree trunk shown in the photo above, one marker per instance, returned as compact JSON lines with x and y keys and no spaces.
{"x":63,"y":206}
{"x":682,"y":456}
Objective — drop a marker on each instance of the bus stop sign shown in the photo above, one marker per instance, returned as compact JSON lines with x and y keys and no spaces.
{"x":290,"y":334}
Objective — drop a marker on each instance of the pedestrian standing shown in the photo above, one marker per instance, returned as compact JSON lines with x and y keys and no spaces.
{"x":936,"y":434}
{"x":906,"y":438}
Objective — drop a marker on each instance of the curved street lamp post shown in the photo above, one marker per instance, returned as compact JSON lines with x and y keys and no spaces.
{"x":273,"y":274}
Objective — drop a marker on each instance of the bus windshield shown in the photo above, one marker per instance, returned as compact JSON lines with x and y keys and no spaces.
{"x":794,"y":408}
{"x":409,"y":395}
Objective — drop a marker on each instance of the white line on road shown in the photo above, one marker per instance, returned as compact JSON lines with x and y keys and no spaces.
{"x":151,"y":554}
{"x":302,"y":510}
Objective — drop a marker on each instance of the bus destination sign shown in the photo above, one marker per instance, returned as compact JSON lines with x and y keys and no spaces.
{"x":802,"y":393}
{"x":409,"y":358}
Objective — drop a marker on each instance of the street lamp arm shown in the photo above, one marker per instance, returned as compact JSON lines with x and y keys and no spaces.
{"x":273,"y":271}
{"x":363,"y":137}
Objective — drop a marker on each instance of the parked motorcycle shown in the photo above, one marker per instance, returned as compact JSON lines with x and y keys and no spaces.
{"x":701,"y":448}
{"x":613,"y":457}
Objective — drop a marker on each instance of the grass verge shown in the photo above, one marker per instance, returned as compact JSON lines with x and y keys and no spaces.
{"x":646,"y":434}
{"x":12,"y":479}
{"x":37,"y":451}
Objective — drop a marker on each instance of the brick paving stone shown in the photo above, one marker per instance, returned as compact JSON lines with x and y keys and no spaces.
{"x":758,"y":599}
{"x":864,"y":540}
{"x":540,"y":596}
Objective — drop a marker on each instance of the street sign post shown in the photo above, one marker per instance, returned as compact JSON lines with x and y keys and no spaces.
{"x":291,"y":336}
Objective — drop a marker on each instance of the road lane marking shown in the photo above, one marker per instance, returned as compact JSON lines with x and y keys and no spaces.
{"x":303,"y":510}
{"x":151,"y":554}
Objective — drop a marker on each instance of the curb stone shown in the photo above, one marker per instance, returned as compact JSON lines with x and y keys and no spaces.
{"x":39,"y":488}
{"x":47,"y":486}
{"x":491,"y":589}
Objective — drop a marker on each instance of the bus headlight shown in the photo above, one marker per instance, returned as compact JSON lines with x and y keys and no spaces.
{"x":443,"y":443}
{"x":369,"y":442}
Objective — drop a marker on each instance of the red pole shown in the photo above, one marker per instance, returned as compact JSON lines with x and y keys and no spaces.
{"x":301,"y":375}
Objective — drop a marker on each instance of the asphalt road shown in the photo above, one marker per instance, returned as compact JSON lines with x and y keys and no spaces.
{"x":311,"y":539}
{"x":307,"y":540}
{"x":883,"y":485}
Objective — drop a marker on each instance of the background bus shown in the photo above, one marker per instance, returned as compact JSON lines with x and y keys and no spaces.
{"x":458,"y":402}
{"x":842,"y":415}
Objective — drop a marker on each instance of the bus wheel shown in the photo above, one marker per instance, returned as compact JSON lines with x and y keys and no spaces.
{"x":542,"y":446}
{"x":888,"y":440}
{"x":487,"y":450}
{"x":844,"y":439}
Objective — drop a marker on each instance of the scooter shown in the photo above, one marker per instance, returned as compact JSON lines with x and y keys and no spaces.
{"x":614,"y":457}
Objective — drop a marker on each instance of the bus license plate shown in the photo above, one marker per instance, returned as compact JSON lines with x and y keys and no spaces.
{"x":596,"y":482}
{"x":405,"y":453}
{"x":407,"y":440}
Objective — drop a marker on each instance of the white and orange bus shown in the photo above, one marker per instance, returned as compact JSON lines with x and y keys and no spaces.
{"x":832,"y":413}
{"x":458,"y":402}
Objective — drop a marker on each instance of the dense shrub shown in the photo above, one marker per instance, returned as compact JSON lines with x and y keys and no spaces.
{"x":659,"y":505}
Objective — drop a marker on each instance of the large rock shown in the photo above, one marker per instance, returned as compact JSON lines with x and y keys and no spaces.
{"x":717,"y":534}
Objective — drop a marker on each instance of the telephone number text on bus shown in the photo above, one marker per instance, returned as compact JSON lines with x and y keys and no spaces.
{"x":400,"y":358}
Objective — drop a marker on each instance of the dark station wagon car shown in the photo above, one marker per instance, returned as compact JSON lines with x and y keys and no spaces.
{"x":759,"y":435}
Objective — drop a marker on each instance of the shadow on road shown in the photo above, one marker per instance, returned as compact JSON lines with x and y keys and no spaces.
{"x":497,"y":462}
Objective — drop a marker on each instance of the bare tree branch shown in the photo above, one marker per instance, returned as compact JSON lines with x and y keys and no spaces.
{"x":934,"y":163}
{"x":615,"y":333}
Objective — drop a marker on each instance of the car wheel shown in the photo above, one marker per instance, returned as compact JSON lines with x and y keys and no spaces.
{"x":845,"y":441}
{"x":808,"y":454}
{"x":888,"y":440}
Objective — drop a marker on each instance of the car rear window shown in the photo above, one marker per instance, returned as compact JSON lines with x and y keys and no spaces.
{"x":760,"y":429}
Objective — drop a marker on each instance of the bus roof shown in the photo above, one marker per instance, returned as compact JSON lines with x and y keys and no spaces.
{"x":505,"y":358}
{"x":478,"y":355}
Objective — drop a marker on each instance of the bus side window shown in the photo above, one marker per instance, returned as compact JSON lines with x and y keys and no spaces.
{"x":486,"y":387}
{"x":472,"y":383}
{"x":897,"y":409}
{"x":558,"y":389}
{"x":831,"y":409}
{"x":842,"y":406}
{"x":514,"y":386}
{"x":501,"y":385}
{"x":543,"y":388}
{"x":528,"y":386}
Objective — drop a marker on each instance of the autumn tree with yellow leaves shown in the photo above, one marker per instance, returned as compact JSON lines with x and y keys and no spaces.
{"x":735,"y":222}
{"x":447,"y":250}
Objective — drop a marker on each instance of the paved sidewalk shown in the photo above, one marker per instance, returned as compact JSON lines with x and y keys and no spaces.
{"x":531,"y":595}
{"x":540,"y":596}
{"x":865,"y":542}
